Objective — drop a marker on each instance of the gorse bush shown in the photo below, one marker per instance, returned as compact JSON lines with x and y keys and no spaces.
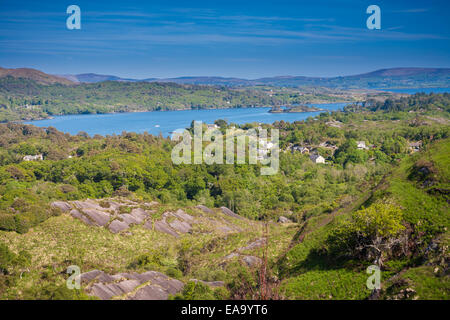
{"x":372,"y":233}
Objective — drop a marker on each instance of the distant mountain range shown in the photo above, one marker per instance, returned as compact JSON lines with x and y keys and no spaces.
{"x":34,"y":74}
{"x":379,"y":79}
{"x":383,"y":79}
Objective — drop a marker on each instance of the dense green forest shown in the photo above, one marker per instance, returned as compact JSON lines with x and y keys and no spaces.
{"x":390,"y":195}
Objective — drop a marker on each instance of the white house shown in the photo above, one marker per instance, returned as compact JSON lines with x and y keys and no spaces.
{"x":33,"y":158}
{"x":316,"y":158}
{"x":301,"y":149}
{"x":361,"y":145}
{"x":212,"y":126}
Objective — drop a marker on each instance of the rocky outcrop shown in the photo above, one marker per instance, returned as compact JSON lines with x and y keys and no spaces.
{"x":230,"y":213}
{"x":119,"y":215}
{"x":151,"y":285}
{"x":106,"y":213}
{"x":253,"y":245}
{"x":205,"y":209}
{"x":117,"y":226}
{"x":163,"y":226}
{"x":283,"y":219}
{"x":250,"y":261}
{"x":63,"y":206}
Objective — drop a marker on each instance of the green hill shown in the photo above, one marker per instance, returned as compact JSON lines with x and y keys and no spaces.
{"x":420,"y":188}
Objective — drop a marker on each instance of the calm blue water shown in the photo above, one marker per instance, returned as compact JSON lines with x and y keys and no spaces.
{"x":416,"y":90}
{"x":168,"y":121}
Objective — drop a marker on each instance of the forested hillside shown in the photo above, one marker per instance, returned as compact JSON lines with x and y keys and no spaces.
{"x":22,"y":98}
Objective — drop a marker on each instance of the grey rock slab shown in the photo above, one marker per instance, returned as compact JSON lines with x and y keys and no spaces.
{"x":128,"y":219}
{"x":231,"y":256}
{"x":125,"y":276}
{"x":87,"y":204}
{"x":105,"y":278}
{"x":180,"y":226}
{"x":162,"y":226}
{"x":89,"y":276}
{"x":174,"y":286}
{"x":128,"y":285}
{"x":150,"y":292}
{"x":171,"y":286}
{"x":253,"y":245}
{"x":205,"y":209}
{"x":64,"y":206}
{"x":78,"y":215}
{"x":139,"y":214}
{"x":113,"y":205}
{"x":283,"y":219}
{"x":100,"y":218}
{"x":148,"y":225}
{"x":102,"y":291}
{"x":230,"y":213}
{"x":115,"y":289}
{"x":116,"y":226}
{"x":251,"y":260}
{"x":150,"y":275}
{"x":183,"y":215}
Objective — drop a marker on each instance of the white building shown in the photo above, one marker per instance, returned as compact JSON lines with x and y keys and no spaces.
{"x":33,"y":158}
{"x":301,"y":149}
{"x":361,"y":145}
{"x":316,"y":158}
{"x":212,"y":126}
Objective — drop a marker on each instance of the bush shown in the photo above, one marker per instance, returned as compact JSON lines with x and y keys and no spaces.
{"x":174,"y":273}
{"x":196,"y":291}
{"x":7,"y":258}
{"x":372,"y":233}
{"x":7,"y":222}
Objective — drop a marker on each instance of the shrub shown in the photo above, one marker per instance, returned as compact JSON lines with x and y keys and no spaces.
{"x":7,"y":258}
{"x":174,"y":273}
{"x":372,"y":233}
{"x":7,"y":222}
{"x":196,"y":290}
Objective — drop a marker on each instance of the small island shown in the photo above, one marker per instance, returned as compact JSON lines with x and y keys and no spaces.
{"x":294,"y":109}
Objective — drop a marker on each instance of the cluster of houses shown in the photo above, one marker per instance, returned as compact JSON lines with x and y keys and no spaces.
{"x":361,"y":145}
{"x":38,"y":157}
{"x":317,"y":158}
{"x":314,"y":156}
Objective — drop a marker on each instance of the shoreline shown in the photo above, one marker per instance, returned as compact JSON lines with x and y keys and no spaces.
{"x":144,"y":111}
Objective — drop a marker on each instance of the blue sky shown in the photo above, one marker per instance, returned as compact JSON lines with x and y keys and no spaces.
{"x":247,"y":39}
